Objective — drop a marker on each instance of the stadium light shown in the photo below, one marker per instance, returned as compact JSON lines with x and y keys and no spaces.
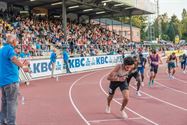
{"x":24,"y":12}
{"x":32,"y":0}
{"x":56,"y":16}
{"x":106,"y":1}
{"x":53,"y":4}
{"x":100,"y":12}
{"x":87,"y":10}
{"x":116,"y":5}
{"x":73,"y":7}
{"x":129,"y":8}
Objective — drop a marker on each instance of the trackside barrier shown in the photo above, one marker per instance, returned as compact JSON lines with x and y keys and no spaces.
{"x":177,"y":52}
{"x":24,"y":77}
{"x":42,"y":68}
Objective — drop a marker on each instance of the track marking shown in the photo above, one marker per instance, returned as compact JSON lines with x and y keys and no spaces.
{"x":72,"y":102}
{"x":100,"y":83}
{"x":139,"y":97}
{"x":168,"y":87}
{"x":109,"y":120}
{"x":178,"y":79}
{"x":181,"y":108}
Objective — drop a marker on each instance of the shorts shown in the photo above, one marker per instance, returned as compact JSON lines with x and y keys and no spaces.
{"x":135,"y":75}
{"x":183,"y":64}
{"x":154,"y":69}
{"x":171,"y":65}
{"x":115,"y":84}
{"x":141,"y":70}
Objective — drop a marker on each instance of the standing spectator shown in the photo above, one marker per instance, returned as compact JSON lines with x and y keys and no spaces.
{"x":9,"y":78}
{"x":53,"y":61}
{"x":66,"y":60}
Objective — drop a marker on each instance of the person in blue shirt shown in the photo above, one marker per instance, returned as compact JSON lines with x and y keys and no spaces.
{"x":65,"y":56}
{"x":182,"y":59}
{"x":53,"y":58}
{"x":25,"y":54}
{"x":9,"y":78}
{"x":141,"y":66}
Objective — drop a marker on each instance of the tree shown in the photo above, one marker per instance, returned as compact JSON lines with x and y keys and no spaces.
{"x":164,"y":20}
{"x":171,"y":32}
{"x":184,"y":13}
{"x":138,"y":21}
{"x":184,"y":25}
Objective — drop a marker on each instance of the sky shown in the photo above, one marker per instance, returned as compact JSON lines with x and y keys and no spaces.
{"x":173,"y":7}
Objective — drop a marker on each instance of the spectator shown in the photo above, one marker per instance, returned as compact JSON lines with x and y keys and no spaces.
{"x":53,"y":58}
{"x":66,"y":60}
{"x":9,"y":78}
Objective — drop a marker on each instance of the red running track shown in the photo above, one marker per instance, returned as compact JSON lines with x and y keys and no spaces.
{"x":80,"y":99}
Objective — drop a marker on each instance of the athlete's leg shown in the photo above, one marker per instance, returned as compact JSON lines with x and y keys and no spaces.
{"x":169,"y":68}
{"x":151,"y":76}
{"x":173,"y":71}
{"x":124,"y":87}
{"x":112,"y":89}
{"x":137,"y":77}
{"x":184,"y":66}
{"x":109,"y":99}
{"x":125,"y":94}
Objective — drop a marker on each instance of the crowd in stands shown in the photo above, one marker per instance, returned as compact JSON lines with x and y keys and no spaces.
{"x":38,"y":36}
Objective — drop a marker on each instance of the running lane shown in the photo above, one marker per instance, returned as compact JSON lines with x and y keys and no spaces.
{"x":47,"y":103}
{"x":90,"y":101}
{"x":81,"y":99}
{"x":147,"y":106}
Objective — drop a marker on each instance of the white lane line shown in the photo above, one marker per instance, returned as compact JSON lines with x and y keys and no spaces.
{"x":171,"y":88}
{"x":100,"y":83}
{"x":178,"y":79}
{"x":71,"y":99}
{"x":176,"y":90}
{"x":139,"y":97}
{"x":181,"y":108}
{"x":109,"y":120}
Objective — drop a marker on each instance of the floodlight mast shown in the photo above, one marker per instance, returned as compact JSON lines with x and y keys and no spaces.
{"x":64,"y":20}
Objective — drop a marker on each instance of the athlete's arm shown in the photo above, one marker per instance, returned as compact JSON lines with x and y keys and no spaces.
{"x":113,"y":74}
{"x":176,"y":62}
{"x":149,"y":61}
{"x":167,"y":61}
{"x":160,"y":60}
{"x":145,"y":61}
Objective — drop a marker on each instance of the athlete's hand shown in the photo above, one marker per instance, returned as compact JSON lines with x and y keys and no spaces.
{"x":122,"y":78}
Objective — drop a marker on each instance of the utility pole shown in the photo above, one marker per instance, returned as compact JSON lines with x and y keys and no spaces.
{"x":159,"y":21}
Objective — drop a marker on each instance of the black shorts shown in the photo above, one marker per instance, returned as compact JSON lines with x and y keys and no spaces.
{"x":171,"y":65}
{"x":135,"y":75}
{"x":154,"y":69}
{"x":115,"y":84}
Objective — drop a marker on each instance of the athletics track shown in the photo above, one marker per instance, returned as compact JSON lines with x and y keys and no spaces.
{"x":80,"y":99}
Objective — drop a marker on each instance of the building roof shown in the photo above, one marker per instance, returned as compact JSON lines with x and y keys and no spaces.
{"x":92,"y":8}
